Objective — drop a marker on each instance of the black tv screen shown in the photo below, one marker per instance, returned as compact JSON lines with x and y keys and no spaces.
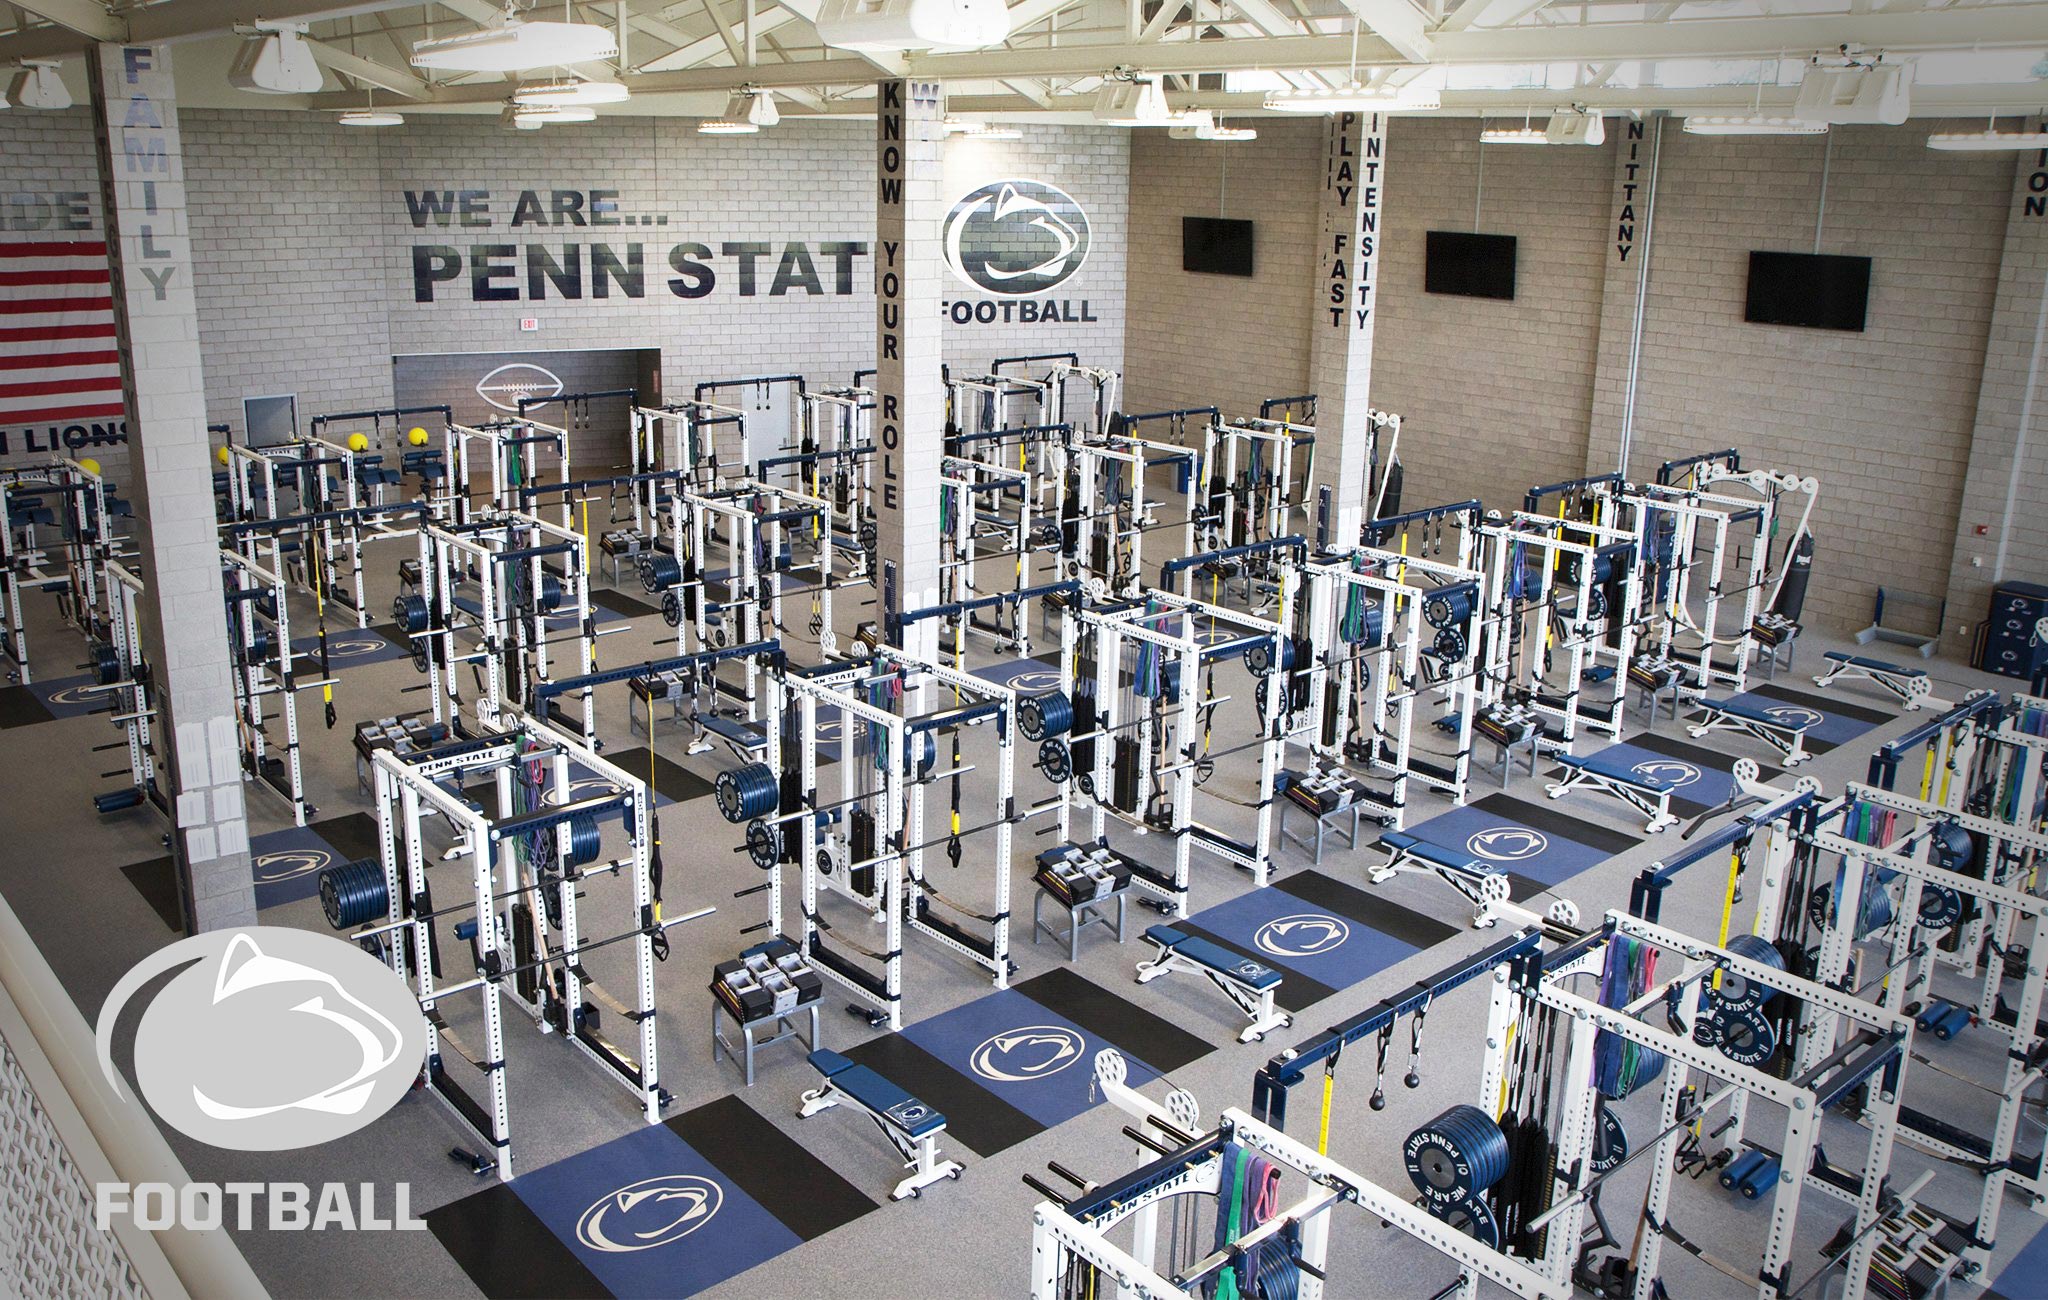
{"x":1215,"y":246}
{"x":1471,"y":266}
{"x":1819,"y":291}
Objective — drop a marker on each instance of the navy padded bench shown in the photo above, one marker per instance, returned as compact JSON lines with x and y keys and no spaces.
{"x":1486,"y":889}
{"x":912,"y":1127}
{"x":1911,"y":685}
{"x":746,"y":739}
{"x":1788,"y":738}
{"x":1248,"y":984}
{"x":1648,"y":795}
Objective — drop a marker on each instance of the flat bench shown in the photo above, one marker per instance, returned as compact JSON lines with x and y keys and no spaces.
{"x":1248,"y":984}
{"x":746,"y":739}
{"x":1648,"y":795}
{"x":912,"y":1127}
{"x":1486,"y":889}
{"x":1911,"y":685}
{"x":1788,"y":738}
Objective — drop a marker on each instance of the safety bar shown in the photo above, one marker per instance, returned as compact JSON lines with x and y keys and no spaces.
{"x":1131,"y":421}
{"x":528,"y":493}
{"x":632,"y":396}
{"x":1534,"y":496}
{"x":1022,"y":430}
{"x":762,"y":466}
{"x":702,"y":659}
{"x":1069,"y":587}
{"x":1379,"y":529}
{"x":713,"y":385}
{"x":1071,"y":358}
{"x":447,"y":413}
{"x":356,"y":513}
{"x":1667,"y":471}
{"x":1292,"y":542}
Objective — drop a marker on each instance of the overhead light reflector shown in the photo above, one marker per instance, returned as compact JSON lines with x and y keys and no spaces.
{"x":1859,"y":92}
{"x":913,"y":24}
{"x":549,"y":114}
{"x":371,"y":117}
{"x":275,"y":61}
{"x":37,"y":85}
{"x":982,"y":130}
{"x":1132,"y":101}
{"x":514,"y":45}
{"x":1200,"y":124}
{"x":745,"y":113}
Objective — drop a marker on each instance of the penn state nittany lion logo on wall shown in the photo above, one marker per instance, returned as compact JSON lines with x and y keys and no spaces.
{"x":266,"y":1038}
{"x":1016,"y":237}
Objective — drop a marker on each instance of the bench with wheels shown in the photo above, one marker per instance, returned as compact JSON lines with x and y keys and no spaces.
{"x":1486,"y":889}
{"x":1911,"y":685}
{"x":1788,"y":738}
{"x":1248,"y":984}
{"x":912,"y":1127}
{"x":1648,"y":795}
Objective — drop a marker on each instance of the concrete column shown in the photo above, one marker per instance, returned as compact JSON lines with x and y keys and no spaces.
{"x":2008,"y":475}
{"x":184,"y":620}
{"x":1624,"y":297}
{"x":1343,"y":315}
{"x":910,"y":396}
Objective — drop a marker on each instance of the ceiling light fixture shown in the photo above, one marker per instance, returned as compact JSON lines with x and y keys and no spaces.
{"x":913,"y":24}
{"x":1750,"y":124}
{"x":746,"y":112}
{"x":1129,"y":99}
{"x":1848,"y":88}
{"x":1574,"y":125}
{"x":981,"y":130}
{"x":1200,"y":124}
{"x":37,"y":85}
{"x":274,"y":59}
{"x":1357,"y":98}
{"x":572,"y":91}
{"x":513,"y":44}
{"x":549,"y":114}
{"x":371,"y":117}
{"x":1988,"y":140}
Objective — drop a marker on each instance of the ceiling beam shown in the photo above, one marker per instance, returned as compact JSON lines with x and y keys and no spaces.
{"x":695,"y":49}
{"x":85,"y":17}
{"x":382,"y":76}
{"x":1396,"y":22}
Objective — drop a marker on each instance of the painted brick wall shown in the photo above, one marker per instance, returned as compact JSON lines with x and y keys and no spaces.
{"x":1499,"y":396}
{"x":304,"y":244}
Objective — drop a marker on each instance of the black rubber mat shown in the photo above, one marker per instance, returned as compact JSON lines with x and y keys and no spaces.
{"x":1552,"y":822}
{"x":19,"y":707}
{"x":1823,"y":703}
{"x":390,"y":632}
{"x":768,"y":1165}
{"x":353,"y":836}
{"x":508,"y":1252}
{"x":1296,"y":991}
{"x":157,"y":881}
{"x":983,"y":1122}
{"x":1370,"y":910}
{"x":618,"y":602}
{"x":1157,"y":1042}
{"x":670,"y":779}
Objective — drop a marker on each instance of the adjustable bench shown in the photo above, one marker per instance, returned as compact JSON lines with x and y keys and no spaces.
{"x":1486,"y":889}
{"x":1788,"y":738}
{"x":912,"y":1127}
{"x":746,"y":739}
{"x":1648,"y":795}
{"x":1911,"y":685}
{"x":1245,"y":982}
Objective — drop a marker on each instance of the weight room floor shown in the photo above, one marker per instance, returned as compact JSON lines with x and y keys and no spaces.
{"x":968,"y":1238}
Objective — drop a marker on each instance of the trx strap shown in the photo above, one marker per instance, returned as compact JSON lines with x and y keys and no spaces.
{"x":1329,"y":1092}
{"x":320,"y":602}
{"x":654,"y":869}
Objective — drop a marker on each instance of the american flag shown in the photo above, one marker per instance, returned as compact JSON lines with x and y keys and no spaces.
{"x":58,"y":360}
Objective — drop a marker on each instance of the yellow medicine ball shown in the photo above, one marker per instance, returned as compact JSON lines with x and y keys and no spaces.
{"x":221,"y":455}
{"x":89,"y":465}
{"x":358,"y":442}
{"x":417,"y":437}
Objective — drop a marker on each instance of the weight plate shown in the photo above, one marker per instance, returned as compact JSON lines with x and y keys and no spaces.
{"x":764,"y":844}
{"x":1055,"y":762}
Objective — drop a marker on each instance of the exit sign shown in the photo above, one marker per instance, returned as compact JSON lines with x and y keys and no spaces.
{"x":528,"y":324}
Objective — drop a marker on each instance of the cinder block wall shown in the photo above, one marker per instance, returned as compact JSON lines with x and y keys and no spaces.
{"x":1500,"y":396}
{"x":304,"y":244}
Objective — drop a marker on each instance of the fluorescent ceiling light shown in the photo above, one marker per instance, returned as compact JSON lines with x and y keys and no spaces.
{"x":1988,"y":140}
{"x":514,"y":45}
{"x":551,"y":113}
{"x":37,"y":85}
{"x":571,"y":91}
{"x":982,"y":130}
{"x":1357,"y":98}
{"x":1200,"y":124}
{"x":1514,"y":135}
{"x":1750,"y":124}
{"x":1132,"y":101}
{"x":371,"y":117}
{"x":745,"y":113}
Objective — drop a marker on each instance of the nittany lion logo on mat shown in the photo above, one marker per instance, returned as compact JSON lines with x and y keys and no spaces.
{"x":267,"y":1039}
{"x":1507,"y":844}
{"x":1021,"y":1055}
{"x":1034,"y":680}
{"x":652,"y":1212}
{"x":289,"y":864}
{"x":1671,"y":771}
{"x":1016,"y":237}
{"x":352,"y":647}
{"x":504,"y":386}
{"x":1794,"y":715}
{"x":76,"y":695}
{"x":1305,"y":935}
